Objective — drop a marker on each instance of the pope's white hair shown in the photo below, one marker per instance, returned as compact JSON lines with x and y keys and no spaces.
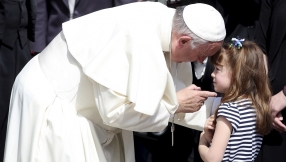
{"x":180,"y":27}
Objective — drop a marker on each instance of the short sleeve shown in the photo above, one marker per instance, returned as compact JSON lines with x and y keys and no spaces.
{"x":231,"y":113}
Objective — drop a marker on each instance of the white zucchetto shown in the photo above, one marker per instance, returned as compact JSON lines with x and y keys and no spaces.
{"x":204,"y":21}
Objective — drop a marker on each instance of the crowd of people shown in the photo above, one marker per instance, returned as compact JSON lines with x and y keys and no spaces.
{"x":121,"y":80}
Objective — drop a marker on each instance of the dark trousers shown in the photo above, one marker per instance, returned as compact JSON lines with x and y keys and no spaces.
{"x":185,"y":145}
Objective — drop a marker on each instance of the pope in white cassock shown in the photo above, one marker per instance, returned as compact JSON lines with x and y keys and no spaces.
{"x":108,"y":74}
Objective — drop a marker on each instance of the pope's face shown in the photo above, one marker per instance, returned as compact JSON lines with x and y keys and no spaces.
{"x":200,"y":53}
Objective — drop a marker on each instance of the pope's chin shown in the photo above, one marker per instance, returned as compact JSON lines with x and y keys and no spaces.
{"x":176,"y":59}
{"x":180,"y":61}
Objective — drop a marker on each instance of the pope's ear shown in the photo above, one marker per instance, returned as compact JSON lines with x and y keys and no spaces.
{"x":183,"y":40}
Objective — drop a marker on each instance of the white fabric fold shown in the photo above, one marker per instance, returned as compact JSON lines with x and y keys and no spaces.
{"x":138,"y":70}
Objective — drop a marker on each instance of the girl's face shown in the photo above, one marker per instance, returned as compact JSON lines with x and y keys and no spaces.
{"x":221,"y":77}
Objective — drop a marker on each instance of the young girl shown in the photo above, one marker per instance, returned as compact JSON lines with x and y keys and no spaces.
{"x":235,"y":132}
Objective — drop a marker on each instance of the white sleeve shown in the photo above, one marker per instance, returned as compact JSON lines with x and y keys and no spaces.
{"x":117,"y":111}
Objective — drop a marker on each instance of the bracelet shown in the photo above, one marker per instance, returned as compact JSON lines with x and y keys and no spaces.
{"x":284,"y":90}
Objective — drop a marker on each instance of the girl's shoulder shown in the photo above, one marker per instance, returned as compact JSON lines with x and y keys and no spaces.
{"x":242,"y":102}
{"x":235,"y":106}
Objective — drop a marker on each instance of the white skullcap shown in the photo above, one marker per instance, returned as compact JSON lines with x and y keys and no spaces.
{"x":204,"y":21}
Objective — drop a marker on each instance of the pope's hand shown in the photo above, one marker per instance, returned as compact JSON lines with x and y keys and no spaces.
{"x":191,"y":99}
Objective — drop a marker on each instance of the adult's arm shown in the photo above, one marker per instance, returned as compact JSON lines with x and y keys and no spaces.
{"x":117,"y":111}
{"x":277,"y":104}
{"x":215,"y":152}
{"x":227,"y":122}
{"x":191,"y":99}
{"x":196,"y":120}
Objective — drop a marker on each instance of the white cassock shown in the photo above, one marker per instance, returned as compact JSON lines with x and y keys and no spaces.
{"x":101,"y":78}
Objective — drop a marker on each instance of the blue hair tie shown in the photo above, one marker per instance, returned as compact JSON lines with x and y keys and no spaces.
{"x":236,"y":42}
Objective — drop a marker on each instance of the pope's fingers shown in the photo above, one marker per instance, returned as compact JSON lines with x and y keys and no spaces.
{"x":194,"y":87}
{"x":207,"y":94}
{"x":202,"y":99}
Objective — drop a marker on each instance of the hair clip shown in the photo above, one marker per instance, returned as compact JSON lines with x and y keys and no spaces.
{"x":236,"y":42}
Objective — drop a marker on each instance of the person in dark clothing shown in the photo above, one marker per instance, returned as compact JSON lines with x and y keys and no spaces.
{"x":272,"y":37}
{"x":17,"y":26}
{"x":240,"y":18}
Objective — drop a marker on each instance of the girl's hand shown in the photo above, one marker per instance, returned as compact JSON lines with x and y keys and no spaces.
{"x":209,"y":128}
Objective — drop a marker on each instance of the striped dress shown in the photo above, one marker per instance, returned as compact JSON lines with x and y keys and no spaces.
{"x":244,"y":143}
